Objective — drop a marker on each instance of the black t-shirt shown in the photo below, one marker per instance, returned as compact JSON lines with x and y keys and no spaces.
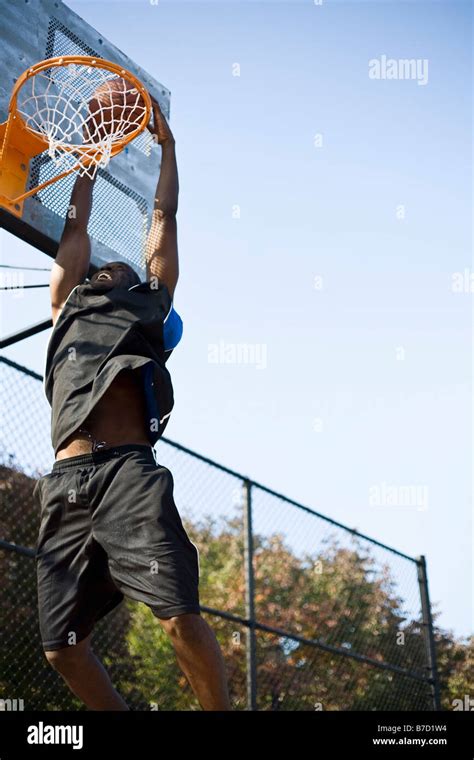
{"x":101,"y":332}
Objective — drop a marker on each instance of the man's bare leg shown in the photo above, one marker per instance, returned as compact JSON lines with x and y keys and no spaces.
{"x":200,"y":658}
{"x":86,"y":676}
{"x":197,"y":652}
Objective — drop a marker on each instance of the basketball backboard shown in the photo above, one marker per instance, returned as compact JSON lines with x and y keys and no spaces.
{"x":123,"y":195}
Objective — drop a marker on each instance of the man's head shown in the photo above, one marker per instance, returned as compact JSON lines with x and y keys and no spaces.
{"x":117,"y":274}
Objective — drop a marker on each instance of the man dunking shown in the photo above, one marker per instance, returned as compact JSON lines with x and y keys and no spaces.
{"x":107,"y":509}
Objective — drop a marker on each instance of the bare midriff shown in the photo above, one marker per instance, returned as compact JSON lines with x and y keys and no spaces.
{"x":118,"y":418}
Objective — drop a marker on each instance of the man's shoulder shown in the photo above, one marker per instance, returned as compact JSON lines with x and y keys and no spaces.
{"x":151,"y":286}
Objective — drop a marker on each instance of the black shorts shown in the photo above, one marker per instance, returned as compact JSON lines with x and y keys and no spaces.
{"x":110,"y":528}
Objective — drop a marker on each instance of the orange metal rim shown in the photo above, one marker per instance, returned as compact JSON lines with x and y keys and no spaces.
{"x":84,"y":60}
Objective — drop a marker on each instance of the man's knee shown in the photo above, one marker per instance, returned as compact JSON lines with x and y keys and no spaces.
{"x":68,"y":659}
{"x":188,"y":626}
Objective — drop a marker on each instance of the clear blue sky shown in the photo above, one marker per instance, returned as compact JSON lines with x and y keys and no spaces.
{"x":329,"y":211}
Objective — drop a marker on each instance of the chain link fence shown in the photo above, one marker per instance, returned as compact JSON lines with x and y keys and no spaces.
{"x":310,"y":615}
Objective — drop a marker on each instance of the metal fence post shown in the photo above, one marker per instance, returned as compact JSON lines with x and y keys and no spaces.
{"x":251,"y":659}
{"x":428,"y":632}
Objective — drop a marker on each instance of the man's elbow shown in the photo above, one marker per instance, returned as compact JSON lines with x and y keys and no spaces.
{"x":74,"y":227}
{"x":165,"y":210}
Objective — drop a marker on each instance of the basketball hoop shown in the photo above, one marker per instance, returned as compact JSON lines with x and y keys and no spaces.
{"x":82,"y":110}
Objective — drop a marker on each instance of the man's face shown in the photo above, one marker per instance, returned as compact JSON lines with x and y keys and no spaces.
{"x":114,"y":275}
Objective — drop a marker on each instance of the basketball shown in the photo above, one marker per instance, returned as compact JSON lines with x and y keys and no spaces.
{"x":116,"y":108}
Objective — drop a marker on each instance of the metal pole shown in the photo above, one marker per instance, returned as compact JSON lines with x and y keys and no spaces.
{"x":250,"y":635}
{"x":428,"y":631}
{"x":27,"y":332}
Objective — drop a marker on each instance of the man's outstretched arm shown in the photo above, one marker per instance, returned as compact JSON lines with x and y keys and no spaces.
{"x":73,"y":257}
{"x":162,"y":242}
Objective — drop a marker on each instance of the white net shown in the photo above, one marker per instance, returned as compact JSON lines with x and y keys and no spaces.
{"x":83,"y":111}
